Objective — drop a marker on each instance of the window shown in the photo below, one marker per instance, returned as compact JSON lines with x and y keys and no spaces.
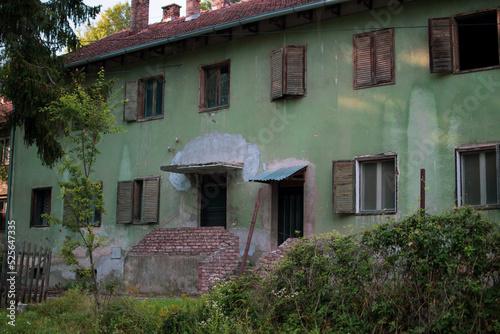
{"x":95,"y":219}
{"x":213,"y":200}
{"x":40,"y":204}
{"x":145,"y":98}
{"x":374,"y":58}
{"x":366,"y":185}
{"x":214,"y":86}
{"x":4,"y":150}
{"x":138,"y":201}
{"x":288,"y":72}
{"x":478,"y":176}
{"x":465,"y":42}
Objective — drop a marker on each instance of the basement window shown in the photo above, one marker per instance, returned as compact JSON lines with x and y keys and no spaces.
{"x":144,"y":98}
{"x":478,"y":177}
{"x":138,"y":201}
{"x":374,"y":58}
{"x":465,"y":42}
{"x":214,"y":86}
{"x":40,"y":204}
{"x":365,"y":185}
{"x":288,"y":72}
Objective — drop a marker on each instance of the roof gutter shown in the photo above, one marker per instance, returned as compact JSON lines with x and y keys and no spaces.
{"x":251,"y":19}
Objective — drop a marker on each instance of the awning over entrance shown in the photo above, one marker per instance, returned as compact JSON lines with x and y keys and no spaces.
{"x":286,"y":173}
{"x":203,"y":168}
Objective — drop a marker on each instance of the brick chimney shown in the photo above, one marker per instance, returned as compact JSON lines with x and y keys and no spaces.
{"x":217,"y":4}
{"x":171,"y":12}
{"x":139,"y":14}
{"x":192,"y":7}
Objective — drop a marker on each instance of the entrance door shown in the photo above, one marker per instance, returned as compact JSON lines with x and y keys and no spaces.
{"x":291,"y":213}
{"x":213,"y":200}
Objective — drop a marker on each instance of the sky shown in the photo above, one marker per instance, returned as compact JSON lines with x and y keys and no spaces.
{"x":155,"y":11}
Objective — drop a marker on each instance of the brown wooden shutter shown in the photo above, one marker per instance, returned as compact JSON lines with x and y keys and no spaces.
{"x":151,"y":195}
{"x":383,"y":56}
{"x":343,"y":186}
{"x":277,"y":74}
{"x":294,"y":70}
{"x":363,"y":70}
{"x":131,"y":107}
{"x":440,"y":45}
{"x":67,"y":208}
{"x":124,"y":202}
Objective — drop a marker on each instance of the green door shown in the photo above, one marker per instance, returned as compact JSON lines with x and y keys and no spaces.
{"x":213,"y":200}
{"x":291,"y":213}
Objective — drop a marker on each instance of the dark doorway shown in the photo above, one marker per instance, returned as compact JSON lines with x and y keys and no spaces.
{"x":213,"y":200}
{"x":291,"y":213}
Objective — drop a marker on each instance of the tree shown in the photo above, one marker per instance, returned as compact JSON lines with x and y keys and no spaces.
{"x":207,"y":4}
{"x":86,"y":115}
{"x":113,"y":20}
{"x":31,"y":33}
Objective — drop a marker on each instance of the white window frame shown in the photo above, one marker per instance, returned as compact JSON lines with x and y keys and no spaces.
{"x":480,"y":149}
{"x":359,"y":189}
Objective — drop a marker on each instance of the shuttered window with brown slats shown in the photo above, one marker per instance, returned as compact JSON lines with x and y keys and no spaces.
{"x":144,"y":98}
{"x":288,"y":72}
{"x":138,"y":201}
{"x":465,"y":42}
{"x":374,"y":58}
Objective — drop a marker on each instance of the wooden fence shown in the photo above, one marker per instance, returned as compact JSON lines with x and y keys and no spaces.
{"x":24,"y":278}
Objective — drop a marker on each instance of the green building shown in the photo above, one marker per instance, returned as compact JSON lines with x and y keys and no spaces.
{"x":332,"y":107}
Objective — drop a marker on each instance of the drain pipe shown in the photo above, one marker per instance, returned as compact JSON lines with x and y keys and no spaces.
{"x":9,"y":180}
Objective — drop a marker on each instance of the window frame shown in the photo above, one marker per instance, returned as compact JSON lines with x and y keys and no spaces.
{"x":359,"y":188}
{"x":459,"y":174}
{"x":202,"y":88}
{"x":34,"y":203}
{"x":3,"y":214}
{"x":4,"y":150}
{"x":135,"y":96}
{"x":288,"y":72}
{"x":346,"y":184}
{"x":134,"y":201}
{"x":374,"y":60}
{"x":444,"y":48}
{"x":97,"y":213}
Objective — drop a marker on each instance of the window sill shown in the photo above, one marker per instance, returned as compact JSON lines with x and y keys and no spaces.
{"x":204,"y":110}
{"x":376,"y":212}
{"x":484,"y":207}
{"x":36,"y":226}
{"x":140,"y":120}
{"x":494,"y":67}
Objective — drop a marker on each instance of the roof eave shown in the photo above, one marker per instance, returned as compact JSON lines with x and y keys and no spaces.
{"x":247,"y":20}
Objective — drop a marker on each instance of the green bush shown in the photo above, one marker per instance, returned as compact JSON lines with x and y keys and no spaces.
{"x":425,"y":274}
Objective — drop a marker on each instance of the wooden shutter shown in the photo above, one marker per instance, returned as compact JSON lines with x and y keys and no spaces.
{"x":440,"y":45}
{"x":383,"y":56}
{"x":363,"y":69}
{"x":67,"y":208}
{"x":151,"y":193}
{"x":343,"y":186}
{"x":277,"y":74}
{"x":124,"y":202}
{"x":131,"y":107}
{"x":294,"y":70}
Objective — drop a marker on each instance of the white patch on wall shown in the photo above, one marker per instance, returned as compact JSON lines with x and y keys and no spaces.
{"x":216,"y":147}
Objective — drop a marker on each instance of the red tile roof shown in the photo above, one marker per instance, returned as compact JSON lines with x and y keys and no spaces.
{"x":159,"y":31}
{"x":5,"y":109}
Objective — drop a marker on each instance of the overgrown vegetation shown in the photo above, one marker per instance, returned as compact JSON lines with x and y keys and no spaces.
{"x":424,"y":274}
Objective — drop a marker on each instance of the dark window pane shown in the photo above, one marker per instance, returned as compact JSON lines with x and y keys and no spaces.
{"x":491,"y":178}
{"x":211,"y":88}
{"x":369,"y":186}
{"x":42,"y":207}
{"x":148,"y":100}
{"x":224,"y":86}
{"x":471,"y":181}
{"x":159,"y":97}
{"x":388,"y":185}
